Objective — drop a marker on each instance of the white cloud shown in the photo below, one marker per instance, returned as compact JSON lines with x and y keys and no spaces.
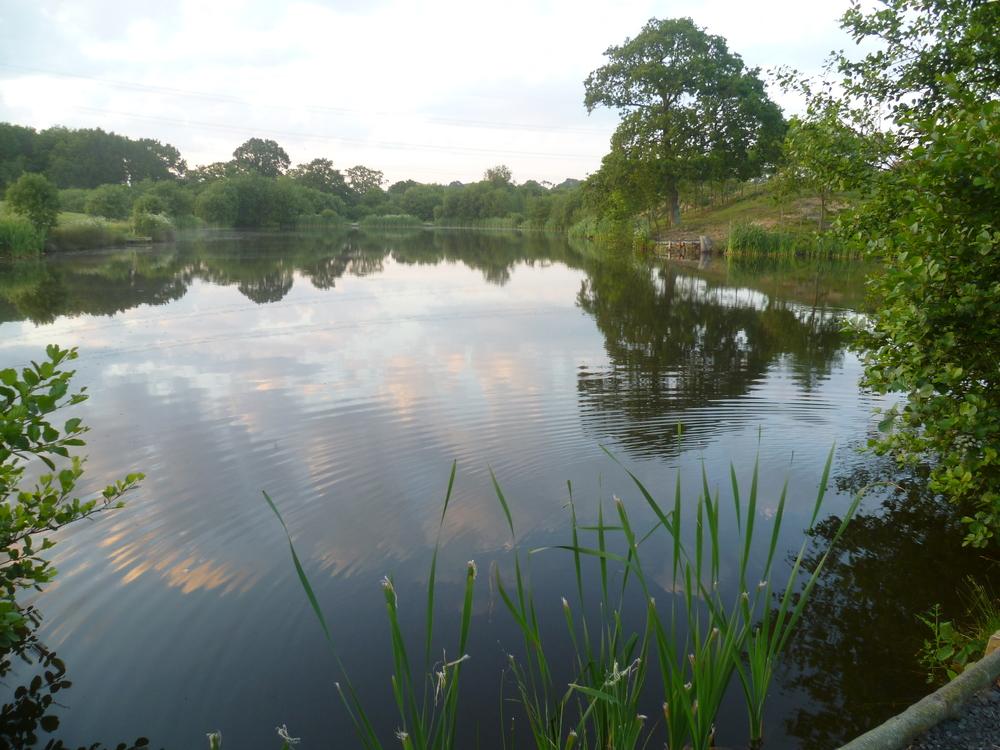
{"x":433,"y":91}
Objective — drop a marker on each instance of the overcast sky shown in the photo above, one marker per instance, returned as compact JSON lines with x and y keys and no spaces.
{"x":433,"y":91}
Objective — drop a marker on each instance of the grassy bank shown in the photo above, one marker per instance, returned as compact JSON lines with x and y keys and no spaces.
{"x":755,"y":222}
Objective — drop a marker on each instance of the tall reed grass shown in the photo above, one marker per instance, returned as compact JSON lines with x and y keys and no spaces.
{"x":701,"y":636}
{"x":88,"y":234}
{"x":19,"y":238}
{"x":390,"y":221}
{"x":750,"y":240}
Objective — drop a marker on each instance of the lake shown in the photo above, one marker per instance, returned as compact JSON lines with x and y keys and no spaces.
{"x":344,"y":373}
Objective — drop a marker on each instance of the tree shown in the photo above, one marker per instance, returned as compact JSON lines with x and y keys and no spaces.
{"x":499,"y":175}
{"x":265,"y":157}
{"x":17,"y":149}
{"x":319,"y":174}
{"x":932,"y":220}
{"x":822,"y":155}
{"x":35,"y":198}
{"x":932,"y":53}
{"x":689,"y":106}
{"x":420,"y":200}
{"x":363,"y":180}
{"x":217,"y":170}
{"x":149,"y":159}
{"x":218,"y":203}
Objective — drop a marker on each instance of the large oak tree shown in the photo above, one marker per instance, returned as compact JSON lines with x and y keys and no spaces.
{"x":690,"y":108}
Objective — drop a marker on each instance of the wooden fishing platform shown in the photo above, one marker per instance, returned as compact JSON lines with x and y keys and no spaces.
{"x":684,"y":247}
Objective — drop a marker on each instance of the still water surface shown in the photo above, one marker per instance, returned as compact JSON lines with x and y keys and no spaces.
{"x":343,"y":374}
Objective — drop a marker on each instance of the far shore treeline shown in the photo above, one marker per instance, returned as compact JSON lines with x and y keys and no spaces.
{"x":107,"y":175}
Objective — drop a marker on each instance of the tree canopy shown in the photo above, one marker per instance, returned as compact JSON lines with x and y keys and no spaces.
{"x":690,"y":108}
{"x":263,"y":156}
{"x":932,"y":220}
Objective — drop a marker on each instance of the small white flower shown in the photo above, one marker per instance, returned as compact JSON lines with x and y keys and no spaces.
{"x":475,"y":570}
{"x":402,"y":736}
{"x":283,"y":734}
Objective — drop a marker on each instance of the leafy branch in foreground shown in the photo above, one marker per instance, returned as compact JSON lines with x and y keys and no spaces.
{"x":29,"y":515}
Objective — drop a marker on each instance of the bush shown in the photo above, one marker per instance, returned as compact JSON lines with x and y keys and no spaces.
{"x":149,"y":203}
{"x":35,"y":198}
{"x":935,"y":335}
{"x":327,"y":218}
{"x":19,"y":237}
{"x":155,"y":226}
{"x":73,"y":199}
{"x":29,"y":514}
{"x":174,"y":199}
{"x":109,"y":201}
{"x":218,"y":203}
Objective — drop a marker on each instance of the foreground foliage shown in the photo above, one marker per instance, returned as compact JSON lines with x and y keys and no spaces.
{"x":932,"y":218}
{"x":30,"y":514}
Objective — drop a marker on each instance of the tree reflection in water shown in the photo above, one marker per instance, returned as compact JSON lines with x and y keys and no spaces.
{"x":855,"y":654}
{"x":37,"y":677}
{"x":678,"y":342}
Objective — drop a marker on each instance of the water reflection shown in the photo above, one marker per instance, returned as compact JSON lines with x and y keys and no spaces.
{"x":343,"y":373}
{"x":38,"y":683}
{"x":679,"y":342}
{"x":855,"y":655}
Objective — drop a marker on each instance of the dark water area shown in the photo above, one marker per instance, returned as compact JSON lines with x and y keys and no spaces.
{"x":344,"y":374}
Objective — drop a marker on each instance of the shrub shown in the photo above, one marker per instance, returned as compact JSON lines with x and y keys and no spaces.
{"x":109,"y":201}
{"x":155,"y":226}
{"x":73,"y":199}
{"x":29,"y":514}
{"x":218,"y":203}
{"x":35,"y":198}
{"x":935,"y":335}
{"x":150,"y":203}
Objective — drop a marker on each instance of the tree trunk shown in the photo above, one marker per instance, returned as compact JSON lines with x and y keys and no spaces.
{"x":822,"y":210}
{"x":674,"y":198}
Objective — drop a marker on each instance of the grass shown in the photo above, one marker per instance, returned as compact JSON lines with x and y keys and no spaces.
{"x":87,"y":234}
{"x":696,"y":642}
{"x":19,"y":238}
{"x":492,"y":222}
{"x":752,"y":240}
{"x":954,"y":644}
{"x":391,"y":221}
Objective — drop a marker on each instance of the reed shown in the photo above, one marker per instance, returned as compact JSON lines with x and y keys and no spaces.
{"x":88,"y":234}
{"x":18,"y":238}
{"x":391,"y":221}
{"x":426,"y":700}
{"x":699,"y":639}
{"x":750,"y":240}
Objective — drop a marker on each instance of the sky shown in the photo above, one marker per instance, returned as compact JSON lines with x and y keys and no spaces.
{"x":431,"y":91}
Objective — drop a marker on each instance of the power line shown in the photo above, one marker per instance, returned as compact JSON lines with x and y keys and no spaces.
{"x":329,"y":138}
{"x":339,"y":111}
